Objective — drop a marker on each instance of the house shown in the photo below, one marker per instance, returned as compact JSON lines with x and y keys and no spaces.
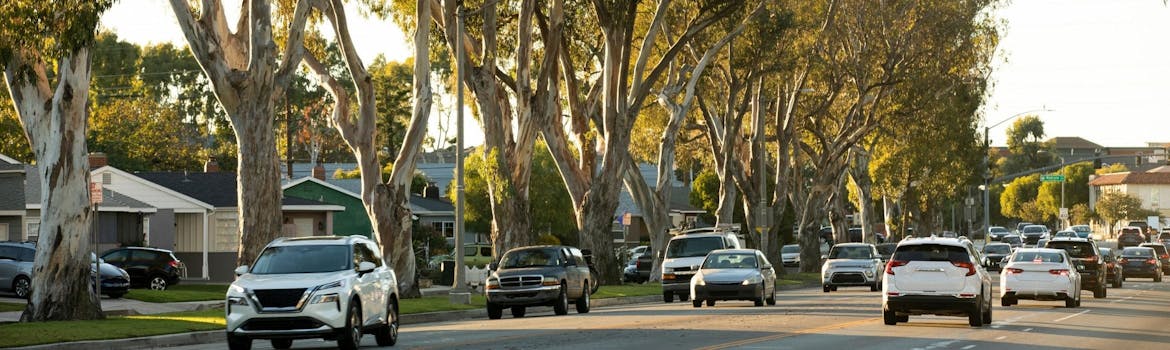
{"x":1152,"y":187}
{"x":1073,"y":148}
{"x":12,"y":203}
{"x":1137,"y":158}
{"x":429,"y":209}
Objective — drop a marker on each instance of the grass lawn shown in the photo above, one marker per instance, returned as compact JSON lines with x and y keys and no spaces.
{"x":181,"y":292}
{"x":24,"y":334}
{"x":5,"y":307}
{"x":801,"y":277}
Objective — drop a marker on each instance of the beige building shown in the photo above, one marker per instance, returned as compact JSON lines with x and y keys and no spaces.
{"x":1152,"y":187}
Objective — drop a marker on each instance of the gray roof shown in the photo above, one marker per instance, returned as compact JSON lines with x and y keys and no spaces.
{"x":111,"y":198}
{"x":217,"y":188}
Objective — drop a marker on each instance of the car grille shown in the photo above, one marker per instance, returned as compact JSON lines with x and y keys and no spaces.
{"x":279,"y":298}
{"x":682,"y":269}
{"x":281,"y":324}
{"x":848,"y":277}
{"x":520,"y":281}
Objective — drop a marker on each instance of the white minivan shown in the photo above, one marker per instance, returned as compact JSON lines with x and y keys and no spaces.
{"x":685,"y":252}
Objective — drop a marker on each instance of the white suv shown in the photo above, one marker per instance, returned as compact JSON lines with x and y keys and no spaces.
{"x":939,"y":276}
{"x":685,"y":252}
{"x":852,"y":264}
{"x":329,"y":287}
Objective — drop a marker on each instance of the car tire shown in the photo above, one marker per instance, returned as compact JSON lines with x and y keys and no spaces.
{"x":1157,"y":278}
{"x":684,"y":297}
{"x":236,"y":342}
{"x":772,"y":297}
{"x":876,"y":286}
{"x":281,"y":343}
{"x":561,"y":306}
{"x":697,"y":303}
{"x":582,"y":303}
{"x":826,"y":288}
{"x":350,"y":337}
{"x":903,"y":318}
{"x":975,"y":315}
{"x":1070,"y":302}
{"x":987,"y":314}
{"x":889,"y":317}
{"x":1006,"y":301}
{"x":1100,"y":292}
{"x":22,"y":286}
{"x":388,"y":334}
{"x":833,"y":288}
{"x":519,"y":311}
{"x":710,"y":302}
{"x":158,"y":282}
{"x":667,"y":297}
{"x":494,"y":311}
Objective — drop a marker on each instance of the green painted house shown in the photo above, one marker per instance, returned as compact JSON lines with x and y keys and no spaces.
{"x":349,"y":222}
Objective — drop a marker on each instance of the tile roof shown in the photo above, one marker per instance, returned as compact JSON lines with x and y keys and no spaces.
{"x":1131,"y":178}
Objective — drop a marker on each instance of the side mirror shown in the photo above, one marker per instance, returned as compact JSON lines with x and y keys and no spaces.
{"x":241,"y":270}
{"x":365,"y":267}
{"x":766,"y":267}
{"x":824,"y":256}
{"x":493,"y":266}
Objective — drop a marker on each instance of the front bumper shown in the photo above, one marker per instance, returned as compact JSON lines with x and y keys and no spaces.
{"x":727,"y":291}
{"x":677,"y":282}
{"x":115,"y":286}
{"x":533,"y":296}
{"x":849,"y":276}
{"x":313,"y":320}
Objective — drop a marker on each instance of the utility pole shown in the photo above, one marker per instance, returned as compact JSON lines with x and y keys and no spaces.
{"x":459,"y":294}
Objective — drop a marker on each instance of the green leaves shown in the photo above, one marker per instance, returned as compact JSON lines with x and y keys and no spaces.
{"x":52,"y":28}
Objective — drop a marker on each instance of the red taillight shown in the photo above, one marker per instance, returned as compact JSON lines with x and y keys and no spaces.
{"x":892,"y":264}
{"x":1165,"y":256}
{"x":969,"y":266}
{"x":1091,"y":259}
{"x":1014,"y":271}
{"x":1060,"y":272}
{"x":1123,"y":261}
{"x":174,"y":263}
{"x":1151,"y":261}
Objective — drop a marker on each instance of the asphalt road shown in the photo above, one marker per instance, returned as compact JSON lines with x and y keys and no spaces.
{"x":1133,"y":317}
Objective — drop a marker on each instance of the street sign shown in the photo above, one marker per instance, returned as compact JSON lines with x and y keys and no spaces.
{"x":1052,"y":178}
{"x":95,"y":193}
{"x":1064,"y":213}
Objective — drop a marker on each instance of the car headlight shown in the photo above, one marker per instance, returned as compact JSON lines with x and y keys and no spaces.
{"x":330,"y":285}
{"x":325,"y":298}
{"x":753,"y":280}
{"x":550,"y":281}
{"x":492,"y":283}
{"x":242,"y":301}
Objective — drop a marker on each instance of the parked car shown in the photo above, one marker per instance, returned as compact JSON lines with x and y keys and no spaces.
{"x":1131,"y":236}
{"x":547,"y":275}
{"x":939,"y":276}
{"x":994,"y":254}
{"x":1113,"y":271}
{"x":115,"y":282}
{"x":331,"y":287}
{"x":1013,"y":240}
{"x":852,"y":264}
{"x":1087,"y":260}
{"x":1162,"y":255}
{"x":1140,"y":262}
{"x":734,"y":274}
{"x":16,"y":261}
{"x":1040,"y":274}
{"x":638,"y":268}
{"x":997,"y":232}
{"x":1083,"y":231}
{"x":1033,"y":233}
{"x":157,"y":269}
{"x":685,"y":252}
{"x":790,"y":255}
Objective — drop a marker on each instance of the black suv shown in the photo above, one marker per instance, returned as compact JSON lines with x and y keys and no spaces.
{"x":1087,"y":257}
{"x":1163,"y":256}
{"x":150,"y":267}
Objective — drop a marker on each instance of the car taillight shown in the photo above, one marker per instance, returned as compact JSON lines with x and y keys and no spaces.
{"x":892,"y":264}
{"x":1123,"y":261}
{"x":174,"y":263}
{"x":969,"y":266}
{"x":1110,"y":265}
{"x":1165,"y":256}
{"x":1060,"y":272}
{"x":1014,"y":271}
{"x":1091,"y":259}
{"x":1151,"y":261}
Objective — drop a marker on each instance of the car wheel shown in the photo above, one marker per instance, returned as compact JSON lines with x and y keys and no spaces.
{"x":1101,"y":292}
{"x":975,"y":315}
{"x":562,"y":304}
{"x":1006,"y":301}
{"x":350,"y":337}
{"x":833,"y":288}
{"x":826,"y":288}
{"x":158,"y":283}
{"x":987,"y":314}
{"x":875,"y":287}
{"x":236,"y":342}
{"x":889,"y":317}
{"x":667,"y":297}
{"x":281,"y":343}
{"x":772,"y":297}
{"x":22,"y":287}
{"x":494,"y":311}
{"x":710,"y":302}
{"x":903,"y":318}
{"x":388,"y":334}
{"x":697,"y":303}
{"x":583,"y":302}
{"x":518,"y":311}
{"x":684,"y":297}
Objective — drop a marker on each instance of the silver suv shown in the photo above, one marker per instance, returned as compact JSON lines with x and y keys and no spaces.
{"x":331,"y":287}
{"x":852,"y":264}
{"x":939,"y":276}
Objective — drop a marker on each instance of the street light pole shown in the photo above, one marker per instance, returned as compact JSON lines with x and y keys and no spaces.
{"x":459,"y":294}
{"x":987,"y":170}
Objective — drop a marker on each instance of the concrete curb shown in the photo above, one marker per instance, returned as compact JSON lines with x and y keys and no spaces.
{"x":180,"y":339}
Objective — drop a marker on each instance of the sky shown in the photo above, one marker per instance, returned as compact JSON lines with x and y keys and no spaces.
{"x":1101,"y":68}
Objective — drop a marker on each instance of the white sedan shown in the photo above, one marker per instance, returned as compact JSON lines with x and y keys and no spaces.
{"x":1040,"y":274}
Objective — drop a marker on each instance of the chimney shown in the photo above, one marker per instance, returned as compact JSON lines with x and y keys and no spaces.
{"x":211,"y":166}
{"x":98,"y":160}
{"x":319,"y":172}
{"x":431,"y":191}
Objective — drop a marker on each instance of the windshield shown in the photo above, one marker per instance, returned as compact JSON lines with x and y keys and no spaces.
{"x":1033,"y":229}
{"x":691,"y":247}
{"x":303,"y":259}
{"x":1074,"y":249}
{"x":531,"y":258}
{"x":997,"y":249}
{"x":1047,"y":257}
{"x":730,"y":261}
{"x":851,"y":252}
{"x":790,"y":249}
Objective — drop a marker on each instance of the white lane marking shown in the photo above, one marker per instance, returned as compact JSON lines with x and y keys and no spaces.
{"x":1027,"y":329}
{"x":941,"y":344}
{"x":968,"y":346}
{"x":1002,"y":337}
{"x":1121,"y":300}
{"x":1071,"y":316}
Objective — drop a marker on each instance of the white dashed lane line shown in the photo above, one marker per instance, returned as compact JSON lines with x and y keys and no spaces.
{"x":1071,"y":316}
{"x":1002,"y":337}
{"x":1027,"y":329}
{"x":969,"y":347}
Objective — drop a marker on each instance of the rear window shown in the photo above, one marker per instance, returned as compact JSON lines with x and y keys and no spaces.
{"x":691,"y":247}
{"x":1130,"y":230}
{"x":1038,"y":257}
{"x":886,"y":249}
{"x":1012,"y":239}
{"x":1074,"y":249}
{"x":1157,"y":247}
{"x":1134,"y":251}
{"x":997,"y":249}
{"x":931,"y":252}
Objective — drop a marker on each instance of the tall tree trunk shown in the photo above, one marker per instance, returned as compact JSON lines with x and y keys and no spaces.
{"x":54,"y":121}
{"x":258,"y":179}
{"x":859,"y":173}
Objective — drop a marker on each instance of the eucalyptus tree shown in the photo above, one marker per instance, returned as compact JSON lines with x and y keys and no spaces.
{"x":248,"y":79}
{"x":42,"y":41}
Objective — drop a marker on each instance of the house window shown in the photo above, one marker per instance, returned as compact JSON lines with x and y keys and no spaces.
{"x":32,"y":231}
{"x":227,"y":238}
{"x":3,"y":232}
{"x":447,"y":228}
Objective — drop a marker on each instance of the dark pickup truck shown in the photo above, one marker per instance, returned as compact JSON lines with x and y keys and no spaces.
{"x":548,"y":275}
{"x":638,"y":269}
